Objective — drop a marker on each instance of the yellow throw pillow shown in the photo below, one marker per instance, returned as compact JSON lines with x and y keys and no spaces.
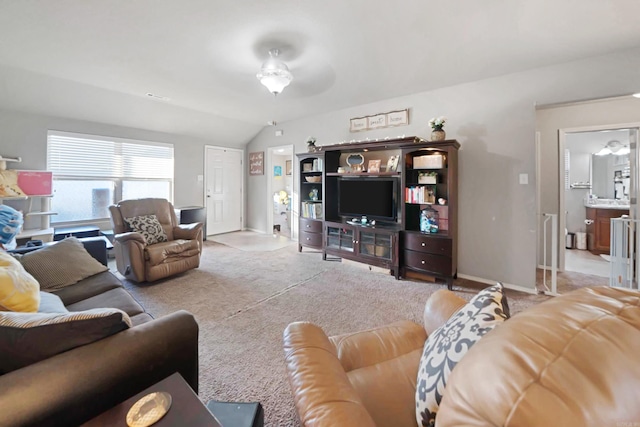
{"x":19,"y":291}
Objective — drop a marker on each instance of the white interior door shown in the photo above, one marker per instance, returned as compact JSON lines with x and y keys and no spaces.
{"x":223,"y":190}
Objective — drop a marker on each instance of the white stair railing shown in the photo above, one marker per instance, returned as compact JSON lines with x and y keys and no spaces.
{"x":554,"y":251}
{"x":624,"y":247}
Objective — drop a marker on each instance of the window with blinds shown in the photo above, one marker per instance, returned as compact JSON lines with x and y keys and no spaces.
{"x":92,"y":172}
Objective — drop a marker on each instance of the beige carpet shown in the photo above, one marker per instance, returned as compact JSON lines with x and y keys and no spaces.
{"x":244,"y":300}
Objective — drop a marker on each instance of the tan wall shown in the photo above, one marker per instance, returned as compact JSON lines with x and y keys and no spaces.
{"x":495,"y":122}
{"x":549,"y":120}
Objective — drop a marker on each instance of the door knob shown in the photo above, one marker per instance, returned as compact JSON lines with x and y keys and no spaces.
{"x":588,"y":221}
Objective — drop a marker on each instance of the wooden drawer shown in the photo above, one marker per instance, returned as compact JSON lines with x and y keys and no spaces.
{"x":311,"y":239}
{"x":310,"y":225}
{"x":428,"y":262}
{"x":432,"y":245}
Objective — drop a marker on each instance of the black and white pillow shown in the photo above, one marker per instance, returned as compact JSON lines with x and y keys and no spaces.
{"x":149,"y":227}
{"x":446,"y":346}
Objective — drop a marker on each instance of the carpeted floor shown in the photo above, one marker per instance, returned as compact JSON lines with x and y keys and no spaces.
{"x":243,"y":301}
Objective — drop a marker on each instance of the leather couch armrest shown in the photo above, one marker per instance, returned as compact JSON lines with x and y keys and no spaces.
{"x":75,"y":386}
{"x":373,"y":346}
{"x":321,"y":389}
{"x":130,"y":236}
{"x":187,"y":231}
{"x":439,"y":308}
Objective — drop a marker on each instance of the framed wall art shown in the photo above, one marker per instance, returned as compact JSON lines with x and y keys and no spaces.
{"x":256,"y":163}
{"x":378,"y":121}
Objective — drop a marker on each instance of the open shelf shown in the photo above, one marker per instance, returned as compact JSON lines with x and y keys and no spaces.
{"x":357,"y":174}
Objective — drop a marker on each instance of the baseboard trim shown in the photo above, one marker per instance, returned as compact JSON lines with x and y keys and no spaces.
{"x":493,"y":282}
{"x":254,"y":230}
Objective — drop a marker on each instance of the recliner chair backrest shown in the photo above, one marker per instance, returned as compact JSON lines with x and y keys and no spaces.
{"x":161,"y":208}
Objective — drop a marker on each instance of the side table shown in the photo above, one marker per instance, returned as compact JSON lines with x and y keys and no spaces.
{"x":186,"y":408}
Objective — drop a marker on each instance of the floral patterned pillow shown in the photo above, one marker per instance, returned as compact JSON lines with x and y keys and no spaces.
{"x":446,"y":346}
{"x":149,"y":227}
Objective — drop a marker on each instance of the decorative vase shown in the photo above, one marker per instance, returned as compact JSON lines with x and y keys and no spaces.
{"x":438,"y":135}
{"x":311,"y":147}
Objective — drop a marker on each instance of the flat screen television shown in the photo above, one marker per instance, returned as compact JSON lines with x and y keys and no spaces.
{"x":374,"y":198}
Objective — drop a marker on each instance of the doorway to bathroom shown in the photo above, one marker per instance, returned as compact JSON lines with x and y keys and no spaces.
{"x":583,"y":191}
{"x":595,"y":185}
{"x":280,"y":187}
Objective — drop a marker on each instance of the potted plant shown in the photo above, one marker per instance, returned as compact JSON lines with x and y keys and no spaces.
{"x":437,"y":124}
{"x":311,"y":144}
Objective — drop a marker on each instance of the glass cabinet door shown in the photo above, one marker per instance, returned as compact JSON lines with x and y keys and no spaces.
{"x":375,"y":245}
{"x":340,"y":238}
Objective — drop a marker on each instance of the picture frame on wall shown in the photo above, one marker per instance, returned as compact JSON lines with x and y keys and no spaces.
{"x":277,"y":171}
{"x":358,"y":124}
{"x":256,"y":163}
{"x":378,"y":121}
{"x":287,"y":167}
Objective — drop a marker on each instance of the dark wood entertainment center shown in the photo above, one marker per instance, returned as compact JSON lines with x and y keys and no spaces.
{"x":425,"y":178}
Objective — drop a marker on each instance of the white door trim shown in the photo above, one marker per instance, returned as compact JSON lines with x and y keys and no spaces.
{"x":562,"y":219}
{"x":242,"y":174}
{"x":269,"y":170}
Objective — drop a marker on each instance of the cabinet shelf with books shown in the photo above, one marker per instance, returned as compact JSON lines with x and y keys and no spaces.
{"x":430,"y":191}
{"x":311,"y":195}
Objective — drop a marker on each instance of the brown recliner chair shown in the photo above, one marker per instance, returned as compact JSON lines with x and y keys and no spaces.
{"x":141,"y":262}
{"x":570,"y":361}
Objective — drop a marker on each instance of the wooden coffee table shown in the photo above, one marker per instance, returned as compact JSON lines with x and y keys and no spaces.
{"x":186,"y":408}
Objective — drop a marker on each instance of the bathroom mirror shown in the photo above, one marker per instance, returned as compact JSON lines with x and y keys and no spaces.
{"x":610,"y":176}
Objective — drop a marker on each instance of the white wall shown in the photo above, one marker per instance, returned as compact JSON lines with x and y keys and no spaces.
{"x":495,"y":122}
{"x":579,"y":171}
{"x":25,"y":135}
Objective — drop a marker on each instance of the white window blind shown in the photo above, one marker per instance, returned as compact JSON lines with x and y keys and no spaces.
{"x":88,"y":156}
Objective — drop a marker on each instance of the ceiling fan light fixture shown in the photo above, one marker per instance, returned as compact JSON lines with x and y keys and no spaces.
{"x":274,"y":74}
{"x":605,"y":151}
{"x":614,"y":147}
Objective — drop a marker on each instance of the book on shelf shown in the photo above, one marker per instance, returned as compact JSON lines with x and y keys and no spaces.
{"x":312,"y":210}
{"x":421,"y":194}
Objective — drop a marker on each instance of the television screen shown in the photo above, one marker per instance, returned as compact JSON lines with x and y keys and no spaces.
{"x":372,"y":197}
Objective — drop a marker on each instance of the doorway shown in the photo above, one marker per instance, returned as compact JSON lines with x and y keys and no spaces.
{"x":596,"y":185}
{"x":595,"y":166}
{"x":223,"y":189}
{"x":280,"y":185}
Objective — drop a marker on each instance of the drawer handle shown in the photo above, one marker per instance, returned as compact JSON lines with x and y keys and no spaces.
{"x":308,"y":238}
{"x":308,"y":226}
{"x":422,"y":262}
{"x":424,"y":244}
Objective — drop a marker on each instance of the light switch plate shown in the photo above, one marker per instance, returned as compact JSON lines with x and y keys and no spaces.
{"x":524,"y":178}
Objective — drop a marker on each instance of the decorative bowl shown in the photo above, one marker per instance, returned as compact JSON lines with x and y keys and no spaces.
{"x":314,"y":179}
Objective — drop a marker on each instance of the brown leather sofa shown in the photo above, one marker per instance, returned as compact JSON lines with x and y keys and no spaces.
{"x":136,"y":260}
{"x":72,"y":387}
{"x":571,"y":361}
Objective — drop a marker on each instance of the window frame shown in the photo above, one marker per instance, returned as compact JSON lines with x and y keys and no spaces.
{"x":118,"y":181}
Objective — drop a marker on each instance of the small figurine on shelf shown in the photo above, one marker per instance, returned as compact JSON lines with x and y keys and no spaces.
{"x":431,"y":195}
{"x":311,"y":144}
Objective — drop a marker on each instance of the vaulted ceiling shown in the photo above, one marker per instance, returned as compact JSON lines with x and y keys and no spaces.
{"x":96,"y":60}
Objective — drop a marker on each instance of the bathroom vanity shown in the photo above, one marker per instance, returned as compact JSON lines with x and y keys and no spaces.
{"x":599,"y":225}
